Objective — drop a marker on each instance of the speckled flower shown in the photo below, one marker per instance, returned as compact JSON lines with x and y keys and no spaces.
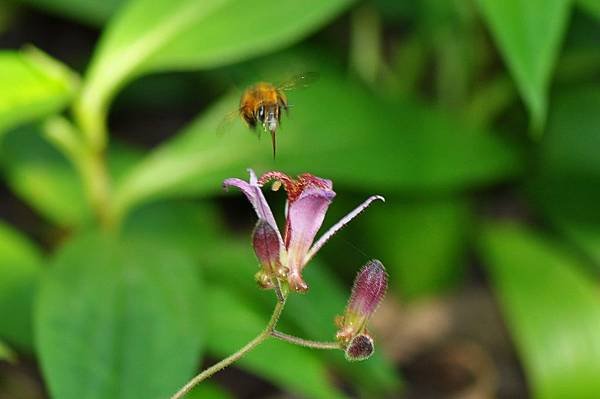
{"x":308,"y":198}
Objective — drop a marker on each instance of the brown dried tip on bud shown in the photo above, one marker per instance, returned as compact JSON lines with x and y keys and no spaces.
{"x":369,"y":288}
{"x":360,"y":348}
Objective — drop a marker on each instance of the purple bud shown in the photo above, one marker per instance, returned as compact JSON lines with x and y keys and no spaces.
{"x":369,"y":288}
{"x":266,"y":245}
{"x":360,"y":348}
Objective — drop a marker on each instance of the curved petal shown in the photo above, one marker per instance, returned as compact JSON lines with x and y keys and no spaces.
{"x":305,"y":216}
{"x":253,"y":192}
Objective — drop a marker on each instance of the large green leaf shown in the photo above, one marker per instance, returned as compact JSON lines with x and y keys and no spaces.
{"x":119,"y":318}
{"x":19,"y":272}
{"x":33,"y":85}
{"x":423,"y":242}
{"x":207,"y":390}
{"x":336,"y":129}
{"x":552,"y":310}
{"x":43,"y":178}
{"x":93,"y":12}
{"x":592,"y":7}
{"x":233,"y":324}
{"x":147,"y":36}
{"x":566,"y":186}
{"x":529,"y":34}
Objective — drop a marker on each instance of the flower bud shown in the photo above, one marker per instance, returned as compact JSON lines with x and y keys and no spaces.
{"x":369,"y":288}
{"x":361,"y":347}
{"x":267,"y":248}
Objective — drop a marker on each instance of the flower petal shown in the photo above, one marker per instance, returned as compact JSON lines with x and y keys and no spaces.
{"x":254,"y":194}
{"x":305,"y":216}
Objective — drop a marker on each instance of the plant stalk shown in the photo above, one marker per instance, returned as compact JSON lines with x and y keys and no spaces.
{"x":304,"y":342}
{"x":266,"y":333}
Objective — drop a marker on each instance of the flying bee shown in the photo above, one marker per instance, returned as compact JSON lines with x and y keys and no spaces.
{"x":261,"y":104}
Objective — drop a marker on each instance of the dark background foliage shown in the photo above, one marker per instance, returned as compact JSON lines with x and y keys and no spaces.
{"x":124,"y":267}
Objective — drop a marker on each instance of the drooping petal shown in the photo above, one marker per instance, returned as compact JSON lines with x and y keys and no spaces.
{"x":253,"y":192}
{"x":339,"y":225}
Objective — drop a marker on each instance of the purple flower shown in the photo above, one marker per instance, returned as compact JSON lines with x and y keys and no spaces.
{"x":369,"y":289}
{"x":308,"y":198}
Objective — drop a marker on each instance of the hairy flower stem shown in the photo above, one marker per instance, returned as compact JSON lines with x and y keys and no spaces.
{"x":304,"y":342}
{"x":266,"y":333}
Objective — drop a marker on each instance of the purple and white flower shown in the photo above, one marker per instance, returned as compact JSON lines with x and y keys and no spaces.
{"x":284,"y":256}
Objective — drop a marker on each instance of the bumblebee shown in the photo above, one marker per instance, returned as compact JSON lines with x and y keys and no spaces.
{"x":261,"y":104}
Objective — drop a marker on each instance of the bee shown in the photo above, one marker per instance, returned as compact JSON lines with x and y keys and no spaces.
{"x":261,"y":104}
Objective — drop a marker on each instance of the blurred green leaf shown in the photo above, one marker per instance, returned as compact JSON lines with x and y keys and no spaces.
{"x":358,"y":140}
{"x":552,"y":309}
{"x":566,"y":186}
{"x":423,"y":243}
{"x":5,"y":352}
{"x":119,"y":318}
{"x":155,"y":35}
{"x":20,"y":262}
{"x":93,"y":12}
{"x":43,"y":178}
{"x":233,"y":324}
{"x":529,"y":35}
{"x":33,"y":85}
{"x":590,"y":6}
{"x":207,"y":390}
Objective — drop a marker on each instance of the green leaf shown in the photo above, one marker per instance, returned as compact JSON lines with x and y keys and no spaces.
{"x":43,"y":178}
{"x":33,"y":85}
{"x":528,"y":35}
{"x":552,"y":310}
{"x":6,"y":353}
{"x":233,"y":324}
{"x":361,"y":141}
{"x":148,"y":36}
{"x":93,"y":12}
{"x":119,"y":318}
{"x":207,"y":390}
{"x":20,"y":262}
{"x":592,"y":7}
{"x":566,"y":186}
{"x":423,"y":243}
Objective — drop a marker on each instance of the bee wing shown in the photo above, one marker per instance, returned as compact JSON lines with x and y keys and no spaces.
{"x":225,"y":123}
{"x":299,"y":81}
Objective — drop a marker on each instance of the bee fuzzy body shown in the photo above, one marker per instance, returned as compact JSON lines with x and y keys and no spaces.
{"x":261,"y":104}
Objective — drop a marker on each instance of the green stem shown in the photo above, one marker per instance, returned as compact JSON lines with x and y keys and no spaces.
{"x":304,"y":342}
{"x":266,"y":333}
{"x":90,"y":164}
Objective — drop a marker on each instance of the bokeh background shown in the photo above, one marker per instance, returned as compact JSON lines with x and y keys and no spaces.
{"x":124,"y":267}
